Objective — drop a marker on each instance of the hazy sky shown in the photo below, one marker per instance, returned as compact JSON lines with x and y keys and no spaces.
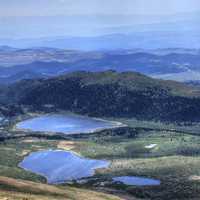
{"x":89,"y":17}
{"x":87,"y":7}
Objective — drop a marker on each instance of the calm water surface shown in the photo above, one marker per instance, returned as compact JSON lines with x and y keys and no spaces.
{"x":68,"y":124}
{"x":134,"y":180}
{"x":61,"y":166}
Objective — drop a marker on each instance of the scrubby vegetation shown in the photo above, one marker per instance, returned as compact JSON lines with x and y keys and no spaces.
{"x":111,"y":94}
{"x":166,"y":148}
{"x":174,"y":160}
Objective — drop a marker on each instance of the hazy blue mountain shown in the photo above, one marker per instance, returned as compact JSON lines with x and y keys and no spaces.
{"x":173,"y":64}
{"x":89,"y":25}
{"x":22,"y":75}
{"x":146,"y":40}
{"x":105,"y":32}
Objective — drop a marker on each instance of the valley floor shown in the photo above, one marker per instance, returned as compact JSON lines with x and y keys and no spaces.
{"x":169,"y":154}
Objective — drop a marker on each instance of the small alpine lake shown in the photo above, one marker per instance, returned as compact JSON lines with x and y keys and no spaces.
{"x":66,"y":123}
{"x":61,"y":166}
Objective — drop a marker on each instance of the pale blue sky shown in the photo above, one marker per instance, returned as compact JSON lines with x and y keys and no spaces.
{"x":93,"y":7}
{"x":90,"y":17}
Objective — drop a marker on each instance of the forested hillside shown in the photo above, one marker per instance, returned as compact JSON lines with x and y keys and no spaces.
{"x":113,"y":94}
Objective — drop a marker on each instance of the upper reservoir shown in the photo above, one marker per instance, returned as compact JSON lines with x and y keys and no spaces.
{"x":66,"y":123}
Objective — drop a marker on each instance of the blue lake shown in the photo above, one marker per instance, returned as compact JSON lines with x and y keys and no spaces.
{"x":68,"y":124}
{"x":61,"y":166}
{"x":137,"y":181}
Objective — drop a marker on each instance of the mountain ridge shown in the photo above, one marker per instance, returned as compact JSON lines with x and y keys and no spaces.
{"x":109,"y":93}
{"x":48,"y":62}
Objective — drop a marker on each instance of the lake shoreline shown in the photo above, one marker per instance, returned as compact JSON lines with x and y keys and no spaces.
{"x":29,"y":116}
{"x":106,"y":163}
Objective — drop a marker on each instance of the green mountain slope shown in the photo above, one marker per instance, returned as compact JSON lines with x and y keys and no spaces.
{"x":113,"y":94}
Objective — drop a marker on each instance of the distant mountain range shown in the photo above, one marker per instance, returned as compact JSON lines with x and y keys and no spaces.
{"x":175,"y":64}
{"x":102,"y":32}
{"x":145,"y":39}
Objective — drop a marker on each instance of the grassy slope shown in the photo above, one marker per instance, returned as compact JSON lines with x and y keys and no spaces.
{"x":12,"y":189}
{"x":173,"y":161}
{"x":13,"y":151}
{"x":168,"y":143}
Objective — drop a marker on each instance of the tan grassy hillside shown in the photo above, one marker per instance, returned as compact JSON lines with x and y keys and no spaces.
{"x":12,"y":189}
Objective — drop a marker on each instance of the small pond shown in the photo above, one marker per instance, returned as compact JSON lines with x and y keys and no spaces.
{"x":137,"y":181}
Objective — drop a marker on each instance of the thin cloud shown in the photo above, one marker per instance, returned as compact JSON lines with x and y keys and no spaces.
{"x":92,"y":7}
